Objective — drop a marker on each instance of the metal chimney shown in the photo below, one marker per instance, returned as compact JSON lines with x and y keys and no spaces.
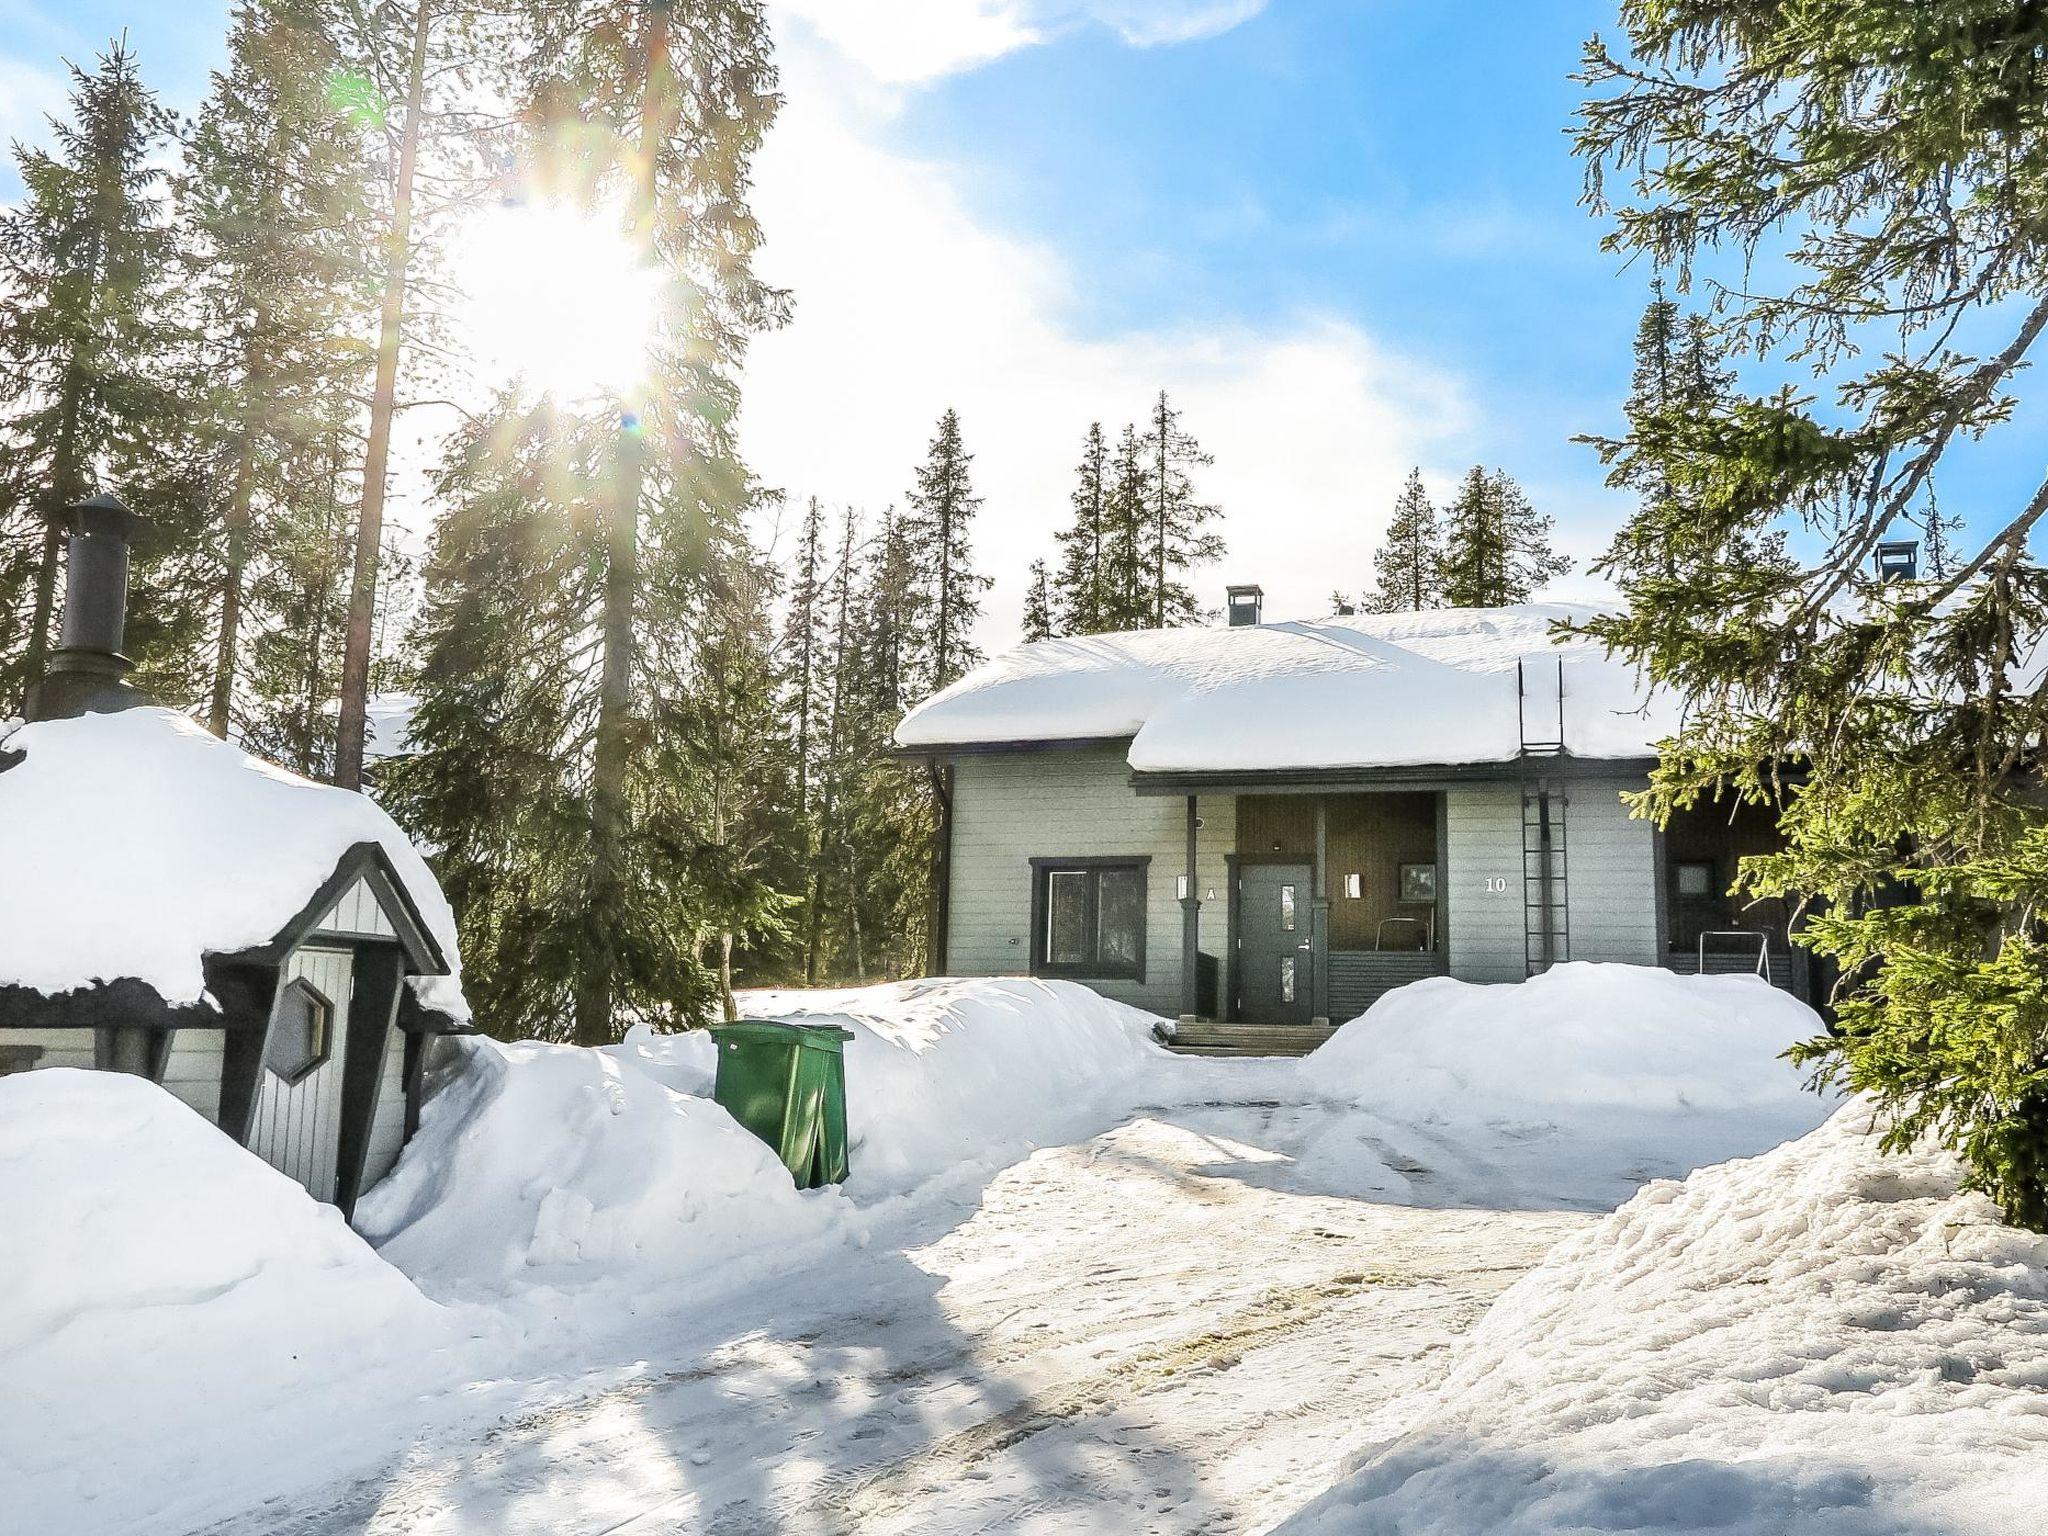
{"x":1898,"y":560}
{"x":1243,"y":604}
{"x":86,"y":673}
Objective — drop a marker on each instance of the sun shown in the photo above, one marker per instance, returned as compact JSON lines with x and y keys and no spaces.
{"x":558,"y":294}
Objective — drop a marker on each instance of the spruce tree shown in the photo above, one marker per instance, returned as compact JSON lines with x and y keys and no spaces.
{"x":1496,"y":545}
{"x":87,"y":259}
{"x":1178,"y":536}
{"x":1890,"y":306}
{"x":1038,"y":603}
{"x":806,"y":645}
{"x":1126,"y":589}
{"x":1408,"y":567}
{"x":938,"y":535}
{"x":1080,"y":604}
{"x":275,"y":194}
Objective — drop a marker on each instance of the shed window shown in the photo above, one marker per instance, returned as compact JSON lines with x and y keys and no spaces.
{"x":1088,"y":917}
{"x":301,"y":1030}
{"x":1695,"y":879}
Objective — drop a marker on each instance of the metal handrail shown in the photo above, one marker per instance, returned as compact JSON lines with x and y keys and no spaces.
{"x":1763,"y":946}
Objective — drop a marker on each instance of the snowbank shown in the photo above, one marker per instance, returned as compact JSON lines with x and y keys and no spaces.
{"x":545,"y":1164}
{"x":1821,"y":1340}
{"x":173,"y":1305}
{"x":1587,"y":1079}
{"x":173,"y":844}
{"x":1373,"y":690}
{"x":552,"y":1165}
{"x":952,"y":1072}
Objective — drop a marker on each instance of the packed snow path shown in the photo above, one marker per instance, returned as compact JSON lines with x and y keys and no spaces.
{"x":1167,"y":1328}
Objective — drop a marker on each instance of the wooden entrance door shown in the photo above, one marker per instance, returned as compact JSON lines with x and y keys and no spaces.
{"x":1276,"y":953}
{"x":297,"y":1126}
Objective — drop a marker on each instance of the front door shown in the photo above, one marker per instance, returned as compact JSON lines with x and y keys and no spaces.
{"x":1275,"y":954}
{"x":297,"y":1128}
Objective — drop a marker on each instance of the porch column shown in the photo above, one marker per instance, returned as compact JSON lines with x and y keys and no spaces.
{"x":1190,"y":929}
{"x":1319,"y":919}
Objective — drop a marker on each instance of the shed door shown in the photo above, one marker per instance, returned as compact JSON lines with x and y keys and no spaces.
{"x":1274,"y":949}
{"x":298,"y":1108}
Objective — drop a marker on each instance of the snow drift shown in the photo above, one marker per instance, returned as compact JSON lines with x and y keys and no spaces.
{"x":545,"y":1164}
{"x":141,"y":842}
{"x":947,"y":1073}
{"x":1585,"y":1080}
{"x":153,"y":1273}
{"x":539,"y":1164}
{"x":1822,"y":1339}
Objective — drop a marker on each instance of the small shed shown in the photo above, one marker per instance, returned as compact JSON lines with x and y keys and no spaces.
{"x":273,"y":951}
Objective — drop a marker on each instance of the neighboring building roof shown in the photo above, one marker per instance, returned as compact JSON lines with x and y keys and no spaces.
{"x":134,"y":844}
{"x":1367,"y":691}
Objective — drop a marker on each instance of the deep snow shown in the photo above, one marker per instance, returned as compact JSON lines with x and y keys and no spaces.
{"x":1084,"y":1282}
{"x":1819,"y":1341}
{"x":1373,"y":690}
{"x":152,"y":842}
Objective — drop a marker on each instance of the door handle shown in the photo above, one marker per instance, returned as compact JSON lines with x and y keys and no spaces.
{"x":1304,"y":944}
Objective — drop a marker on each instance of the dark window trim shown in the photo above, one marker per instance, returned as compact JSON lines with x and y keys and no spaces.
{"x":1041,"y":866}
{"x":324,"y":1006}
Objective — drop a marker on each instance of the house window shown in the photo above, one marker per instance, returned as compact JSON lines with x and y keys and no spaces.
{"x":1695,"y":879}
{"x":301,"y":1031}
{"x":1418,"y":882}
{"x":1088,"y":918}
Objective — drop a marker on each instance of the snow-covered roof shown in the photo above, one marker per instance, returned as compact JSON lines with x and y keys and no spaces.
{"x":1368,"y":691}
{"x":132,"y":844}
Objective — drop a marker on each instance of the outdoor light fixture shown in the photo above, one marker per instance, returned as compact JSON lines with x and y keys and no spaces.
{"x":1354,"y":885}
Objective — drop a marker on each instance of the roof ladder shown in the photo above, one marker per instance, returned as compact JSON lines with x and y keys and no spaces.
{"x":1546,"y":904}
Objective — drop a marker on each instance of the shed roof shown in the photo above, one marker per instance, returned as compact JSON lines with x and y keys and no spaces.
{"x":134,"y":844}
{"x":1368,"y":691}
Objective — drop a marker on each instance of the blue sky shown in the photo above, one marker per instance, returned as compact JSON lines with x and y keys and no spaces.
{"x":1343,"y":232}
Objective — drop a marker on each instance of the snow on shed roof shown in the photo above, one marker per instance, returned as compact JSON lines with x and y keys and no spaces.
{"x":1369,"y":691}
{"x":134,"y":843}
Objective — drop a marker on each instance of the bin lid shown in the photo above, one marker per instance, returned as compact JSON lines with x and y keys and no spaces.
{"x":817,"y":1037}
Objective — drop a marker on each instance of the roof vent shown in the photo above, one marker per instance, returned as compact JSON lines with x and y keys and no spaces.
{"x":1898,"y":560}
{"x":1243,"y":604}
{"x":86,"y":672}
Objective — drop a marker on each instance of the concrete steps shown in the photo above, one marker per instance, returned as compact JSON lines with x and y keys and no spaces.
{"x":1203,"y":1038}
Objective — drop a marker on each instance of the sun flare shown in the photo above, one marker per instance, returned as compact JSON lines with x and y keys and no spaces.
{"x":558,"y":294}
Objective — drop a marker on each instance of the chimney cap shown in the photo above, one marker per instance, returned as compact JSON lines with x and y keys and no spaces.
{"x":102,"y":511}
{"x":1245,"y":589}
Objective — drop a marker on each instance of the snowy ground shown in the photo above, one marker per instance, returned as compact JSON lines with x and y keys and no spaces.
{"x":1153,"y":1329}
{"x":1076,"y":1284}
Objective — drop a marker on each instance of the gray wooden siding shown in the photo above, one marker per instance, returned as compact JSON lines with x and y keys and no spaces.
{"x":358,"y":912}
{"x":192,"y":1069}
{"x":1360,"y":978}
{"x":1483,"y":927}
{"x":1011,"y":808}
{"x":387,"y":1130}
{"x":59,"y":1047}
{"x":297,"y":1125}
{"x":1611,"y":872}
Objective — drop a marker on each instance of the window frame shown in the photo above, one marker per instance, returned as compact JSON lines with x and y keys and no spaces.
{"x":1713,"y":892}
{"x":323,"y":1010}
{"x":1093,"y":864}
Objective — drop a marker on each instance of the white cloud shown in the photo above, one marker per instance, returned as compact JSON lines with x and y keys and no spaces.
{"x":905,"y":41}
{"x":27,"y":96}
{"x":906,"y":305}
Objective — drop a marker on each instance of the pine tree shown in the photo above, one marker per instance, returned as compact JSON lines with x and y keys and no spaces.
{"x":1038,"y":603}
{"x":806,"y":643}
{"x":276,"y":196}
{"x":1080,"y":603}
{"x":1178,"y":536}
{"x":938,"y":534}
{"x":1903,"y":248}
{"x":86,"y":259}
{"x":1408,"y":567}
{"x":1496,"y":545}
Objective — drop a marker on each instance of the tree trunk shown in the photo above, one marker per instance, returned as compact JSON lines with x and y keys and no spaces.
{"x":234,"y":566}
{"x":362,"y":597}
{"x":608,"y":807}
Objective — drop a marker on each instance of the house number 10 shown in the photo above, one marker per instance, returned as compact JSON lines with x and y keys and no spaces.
{"x":1495,"y":884}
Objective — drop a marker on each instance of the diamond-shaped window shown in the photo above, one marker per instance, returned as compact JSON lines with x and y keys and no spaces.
{"x":301,"y":1030}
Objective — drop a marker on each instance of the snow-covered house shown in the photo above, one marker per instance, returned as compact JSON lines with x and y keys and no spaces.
{"x":1276,"y":823}
{"x":272,"y":951}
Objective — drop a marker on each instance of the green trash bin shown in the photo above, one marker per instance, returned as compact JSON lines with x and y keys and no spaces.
{"x":787,"y":1084}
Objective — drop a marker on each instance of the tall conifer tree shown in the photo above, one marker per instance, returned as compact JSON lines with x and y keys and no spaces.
{"x":1080,"y":604}
{"x":1408,"y":567}
{"x":1038,"y":603}
{"x":86,"y":259}
{"x":1178,"y":536}
{"x":938,"y":533}
{"x":1496,"y":545}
